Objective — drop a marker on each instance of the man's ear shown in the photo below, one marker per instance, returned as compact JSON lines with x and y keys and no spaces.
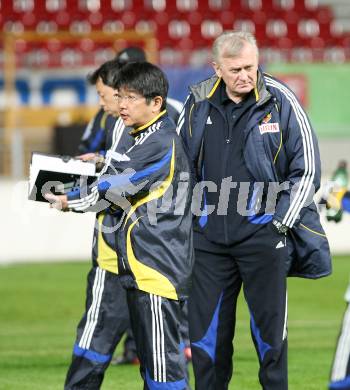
{"x":217,"y":69}
{"x":158,"y":102}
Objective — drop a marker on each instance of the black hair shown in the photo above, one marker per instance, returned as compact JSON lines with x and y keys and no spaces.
{"x":130,"y":54}
{"x":108,"y":72}
{"x":143,"y":78}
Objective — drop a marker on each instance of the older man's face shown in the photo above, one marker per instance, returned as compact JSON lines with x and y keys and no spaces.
{"x":239,"y":73}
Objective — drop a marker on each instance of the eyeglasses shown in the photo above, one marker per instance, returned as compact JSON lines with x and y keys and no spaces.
{"x":127,"y":98}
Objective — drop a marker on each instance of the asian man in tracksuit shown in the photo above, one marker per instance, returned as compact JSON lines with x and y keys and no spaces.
{"x":151,"y":183}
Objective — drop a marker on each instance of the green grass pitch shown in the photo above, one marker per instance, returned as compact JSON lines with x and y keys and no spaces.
{"x":42,"y":303}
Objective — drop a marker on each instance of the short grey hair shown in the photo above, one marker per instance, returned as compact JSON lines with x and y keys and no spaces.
{"x":232,"y":42}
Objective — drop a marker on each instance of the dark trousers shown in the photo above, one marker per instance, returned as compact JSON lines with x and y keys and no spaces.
{"x":155,"y":323}
{"x":219,"y":272}
{"x":129,"y":343}
{"x":105,"y":320}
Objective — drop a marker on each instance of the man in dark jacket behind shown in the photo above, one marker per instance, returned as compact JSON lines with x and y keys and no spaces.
{"x":255,"y":158}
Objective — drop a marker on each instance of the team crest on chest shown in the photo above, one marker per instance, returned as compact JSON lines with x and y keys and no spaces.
{"x":267,"y":118}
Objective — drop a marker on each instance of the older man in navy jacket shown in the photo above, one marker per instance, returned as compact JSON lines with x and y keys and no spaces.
{"x":255,"y":158}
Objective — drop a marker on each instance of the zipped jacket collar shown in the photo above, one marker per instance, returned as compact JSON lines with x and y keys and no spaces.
{"x":205,"y":89}
{"x":138,"y":130}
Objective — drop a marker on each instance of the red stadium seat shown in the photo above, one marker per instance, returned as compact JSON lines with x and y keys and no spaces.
{"x":123,"y":5}
{"x":186,"y":44}
{"x":317,"y":45}
{"x":217,"y":5}
{"x":155,"y":5}
{"x":192,"y":17}
{"x":299,"y":6}
{"x":244,"y":25}
{"x":113,"y":26}
{"x":284,"y":5}
{"x":324,"y":16}
{"x":171,"y":57}
{"x":161,"y":18}
{"x":46,"y":26}
{"x":56,"y":6}
{"x":178,"y":29}
{"x":284,"y":44}
{"x":186,"y":5}
{"x":80,"y":26}
{"x":54,"y":45}
{"x":129,"y":19}
{"x":185,"y":29}
{"x":201,"y":56}
{"x":308,"y":28}
{"x":21,"y":46}
{"x":276,"y":28}
{"x":145,"y":25}
{"x":252,"y":5}
{"x":210,"y":29}
{"x":13,"y":26}
{"x":37,"y":54}
{"x":225,"y":18}
{"x":96,"y":20}
{"x":63,"y":20}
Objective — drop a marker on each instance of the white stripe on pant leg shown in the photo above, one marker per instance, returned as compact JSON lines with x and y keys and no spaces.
{"x":285,"y":319}
{"x":338,"y":359}
{"x":97,"y":309}
{"x":93,"y":311}
{"x":162,"y":346}
{"x":93,"y":308}
{"x":154,"y":353}
{"x":89,"y":330}
{"x":158,"y":357}
{"x":343,"y":350}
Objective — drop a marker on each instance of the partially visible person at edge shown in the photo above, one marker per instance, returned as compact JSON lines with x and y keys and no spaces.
{"x":337,"y":200}
{"x":243,"y":130}
{"x":340,"y":371}
{"x":154,"y":270}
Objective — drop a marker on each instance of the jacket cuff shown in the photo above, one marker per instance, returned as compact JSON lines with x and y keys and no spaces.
{"x":74,"y":194}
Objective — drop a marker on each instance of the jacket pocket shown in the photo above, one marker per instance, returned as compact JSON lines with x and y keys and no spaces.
{"x":313,"y":231}
{"x":308,"y":247}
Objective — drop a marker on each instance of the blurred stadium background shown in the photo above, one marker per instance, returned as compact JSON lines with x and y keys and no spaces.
{"x":49,"y":46}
